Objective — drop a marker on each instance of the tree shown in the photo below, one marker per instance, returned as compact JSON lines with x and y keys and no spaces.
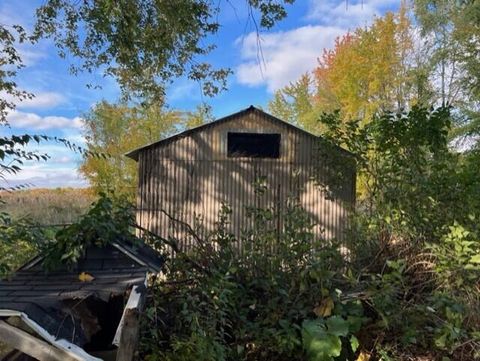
{"x":12,"y":153}
{"x":144,"y":44}
{"x":294,"y":103}
{"x":450,"y":31}
{"x":115,"y":129}
{"x":368,"y":71}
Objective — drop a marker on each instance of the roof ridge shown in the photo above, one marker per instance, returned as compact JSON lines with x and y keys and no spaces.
{"x":141,"y":253}
{"x":133,"y":154}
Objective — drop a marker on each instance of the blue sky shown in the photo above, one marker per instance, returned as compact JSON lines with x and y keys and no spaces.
{"x":288,"y":50}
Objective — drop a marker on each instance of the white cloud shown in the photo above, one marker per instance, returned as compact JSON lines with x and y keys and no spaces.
{"x":22,"y":13}
{"x":284,"y":55}
{"x":18,"y":119}
{"x":348,"y":14}
{"x":31,"y":56}
{"x":17,"y":12}
{"x":59,"y":156}
{"x":41,"y":100}
{"x":40,"y":176}
{"x":63,"y":160}
{"x":184,"y":89}
{"x":77,"y":139}
{"x":60,"y":170}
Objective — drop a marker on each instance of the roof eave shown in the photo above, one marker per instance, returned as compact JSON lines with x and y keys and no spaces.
{"x":134,"y":153}
{"x":151,"y":266}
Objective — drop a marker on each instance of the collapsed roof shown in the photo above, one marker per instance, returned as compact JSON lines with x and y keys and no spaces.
{"x":78,"y":310}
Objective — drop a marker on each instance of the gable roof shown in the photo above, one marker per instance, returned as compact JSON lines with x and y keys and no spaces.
{"x":251,"y":109}
{"x":142,"y":254}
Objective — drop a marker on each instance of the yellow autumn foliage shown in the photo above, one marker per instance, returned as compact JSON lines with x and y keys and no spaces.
{"x":116,"y":129}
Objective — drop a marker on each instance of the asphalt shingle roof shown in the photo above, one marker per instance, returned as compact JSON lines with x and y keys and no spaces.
{"x":43,"y":296}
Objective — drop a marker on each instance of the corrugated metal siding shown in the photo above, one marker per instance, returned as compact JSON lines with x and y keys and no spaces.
{"x":191,"y":177}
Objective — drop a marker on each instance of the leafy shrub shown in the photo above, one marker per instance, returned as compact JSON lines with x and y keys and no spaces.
{"x":107,"y":221}
{"x":408,"y":289}
{"x":20,"y":239}
{"x":278,"y":300}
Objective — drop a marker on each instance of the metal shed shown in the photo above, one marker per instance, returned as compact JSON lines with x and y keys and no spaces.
{"x":189,"y":176}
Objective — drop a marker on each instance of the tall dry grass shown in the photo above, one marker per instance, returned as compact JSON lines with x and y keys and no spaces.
{"x":47,"y":206}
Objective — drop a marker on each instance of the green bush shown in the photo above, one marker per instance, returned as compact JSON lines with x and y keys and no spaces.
{"x":279,"y":300}
{"x":408,"y":289}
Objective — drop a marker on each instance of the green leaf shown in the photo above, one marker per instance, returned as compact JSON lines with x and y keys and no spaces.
{"x":325,"y":348}
{"x":441,"y":341}
{"x":355,"y":323}
{"x":313,"y":328}
{"x":354,"y":343}
{"x":319,"y":344}
{"x":337,"y":326}
{"x":475,"y":259}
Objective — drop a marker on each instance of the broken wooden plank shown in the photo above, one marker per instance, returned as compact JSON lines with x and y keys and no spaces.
{"x":31,"y":345}
{"x":73,"y":350}
{"x":130,"y":323}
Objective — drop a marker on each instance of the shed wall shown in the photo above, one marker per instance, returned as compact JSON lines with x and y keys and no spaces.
{"x":191,"y":177}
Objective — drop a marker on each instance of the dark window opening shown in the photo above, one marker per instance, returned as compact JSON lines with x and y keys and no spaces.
{"x":253,"y":145}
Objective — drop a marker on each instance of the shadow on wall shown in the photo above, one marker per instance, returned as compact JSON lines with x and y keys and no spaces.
{"x":191,"y":178}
